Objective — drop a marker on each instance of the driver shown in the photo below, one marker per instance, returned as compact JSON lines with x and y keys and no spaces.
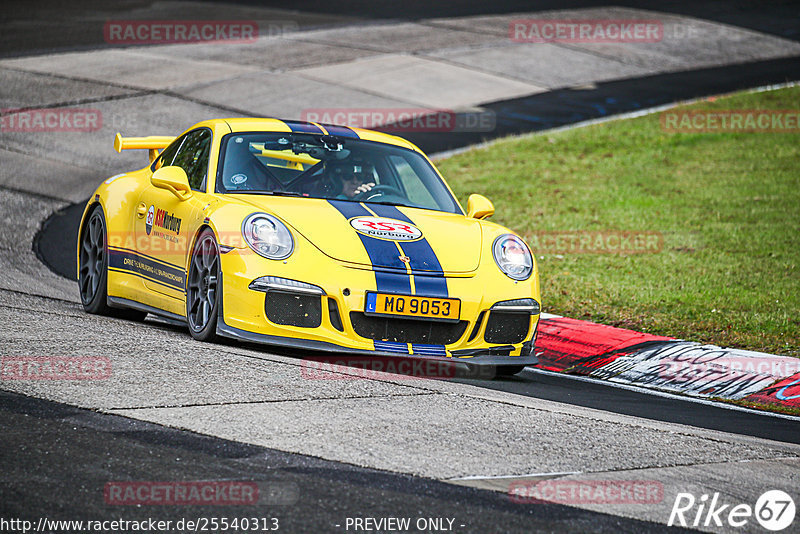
{"x":356,"y":177}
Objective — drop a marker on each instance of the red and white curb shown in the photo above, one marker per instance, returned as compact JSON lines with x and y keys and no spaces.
{"x":623,"y":356}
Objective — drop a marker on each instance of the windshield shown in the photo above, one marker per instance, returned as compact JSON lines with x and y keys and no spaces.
{"x":323,"y":166}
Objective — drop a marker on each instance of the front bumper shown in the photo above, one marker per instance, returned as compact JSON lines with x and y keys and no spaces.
{"x":332,"y":323}
{"x":484,"y":359}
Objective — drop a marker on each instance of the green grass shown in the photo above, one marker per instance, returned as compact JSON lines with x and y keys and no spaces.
{"x":727,"y":205}
{"x":778,"y":408}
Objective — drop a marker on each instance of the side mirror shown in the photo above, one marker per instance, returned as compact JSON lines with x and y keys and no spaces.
{"x":174,"y":179}
{"x":479,"y":207}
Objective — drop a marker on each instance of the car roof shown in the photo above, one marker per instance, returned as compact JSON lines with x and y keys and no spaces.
{"x":288,"y":126}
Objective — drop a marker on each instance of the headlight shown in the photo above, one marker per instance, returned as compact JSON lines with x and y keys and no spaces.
{"x":267,"y":236}
{"x":512,"y":256}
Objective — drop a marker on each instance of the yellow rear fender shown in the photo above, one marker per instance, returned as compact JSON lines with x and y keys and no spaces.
{"x":121,"y":193}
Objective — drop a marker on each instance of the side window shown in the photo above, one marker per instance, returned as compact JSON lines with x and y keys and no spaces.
{"x":168,"y":154}
{"x":193,"y":156}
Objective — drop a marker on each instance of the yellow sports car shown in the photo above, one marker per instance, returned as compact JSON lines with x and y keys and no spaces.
{"x":311,"y":236}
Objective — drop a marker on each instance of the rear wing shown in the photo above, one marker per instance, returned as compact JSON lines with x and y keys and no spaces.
{"x":153,"y":143}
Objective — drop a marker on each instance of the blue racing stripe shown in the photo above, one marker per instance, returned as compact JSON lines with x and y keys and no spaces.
{"x":304,"y":127}
{"x":428,"y":350}
{"x":389,"y":346}
{"x":391,"y":282}
{"x":340,"y":131}
{"x":381,"y":253}
{"x":431,"y":286}
{"x":423,"y":258}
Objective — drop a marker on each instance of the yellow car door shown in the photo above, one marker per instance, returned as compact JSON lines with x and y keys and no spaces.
{"x":164,"y":222}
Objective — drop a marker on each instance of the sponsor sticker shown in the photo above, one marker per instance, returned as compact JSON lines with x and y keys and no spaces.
{"x":384,"y":228}
{"x":148,"y":224}
{"x":162,"y":219}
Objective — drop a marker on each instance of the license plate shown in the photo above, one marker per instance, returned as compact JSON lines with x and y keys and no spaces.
{"x":411,"y":306}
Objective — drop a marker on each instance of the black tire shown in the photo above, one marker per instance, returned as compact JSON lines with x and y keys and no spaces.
{"x":93,"y":264}
{"x":93,"y":272}
{"x":202,"y":288}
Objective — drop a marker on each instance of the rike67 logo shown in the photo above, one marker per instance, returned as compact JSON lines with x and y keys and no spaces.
{"x":774,"y":510}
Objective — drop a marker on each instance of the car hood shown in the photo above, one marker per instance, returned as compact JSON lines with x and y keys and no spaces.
{"x":381,"y":236}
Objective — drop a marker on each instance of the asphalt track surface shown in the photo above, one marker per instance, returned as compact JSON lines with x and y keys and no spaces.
{"x":70,"y":26}
{"x":598,"y":395}
{"x":59,"y":457}
{"x":55,"y":243}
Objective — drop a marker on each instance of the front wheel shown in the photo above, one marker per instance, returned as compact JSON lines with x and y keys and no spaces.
{"x":202,"y":294}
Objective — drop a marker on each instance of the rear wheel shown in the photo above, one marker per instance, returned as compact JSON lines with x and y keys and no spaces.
{"x":202,"y":295}
{"x":93,"y":264}
{"x":93,"y":270}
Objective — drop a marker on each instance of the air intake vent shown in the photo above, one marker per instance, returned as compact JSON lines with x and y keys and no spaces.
{"x":407,"y":330}
{"x":505,"y":327}
{"x":293,"y":309}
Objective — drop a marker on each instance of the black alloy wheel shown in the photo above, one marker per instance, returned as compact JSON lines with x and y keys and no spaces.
{"x":93,"y":271}
{"x":202,"y":290}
